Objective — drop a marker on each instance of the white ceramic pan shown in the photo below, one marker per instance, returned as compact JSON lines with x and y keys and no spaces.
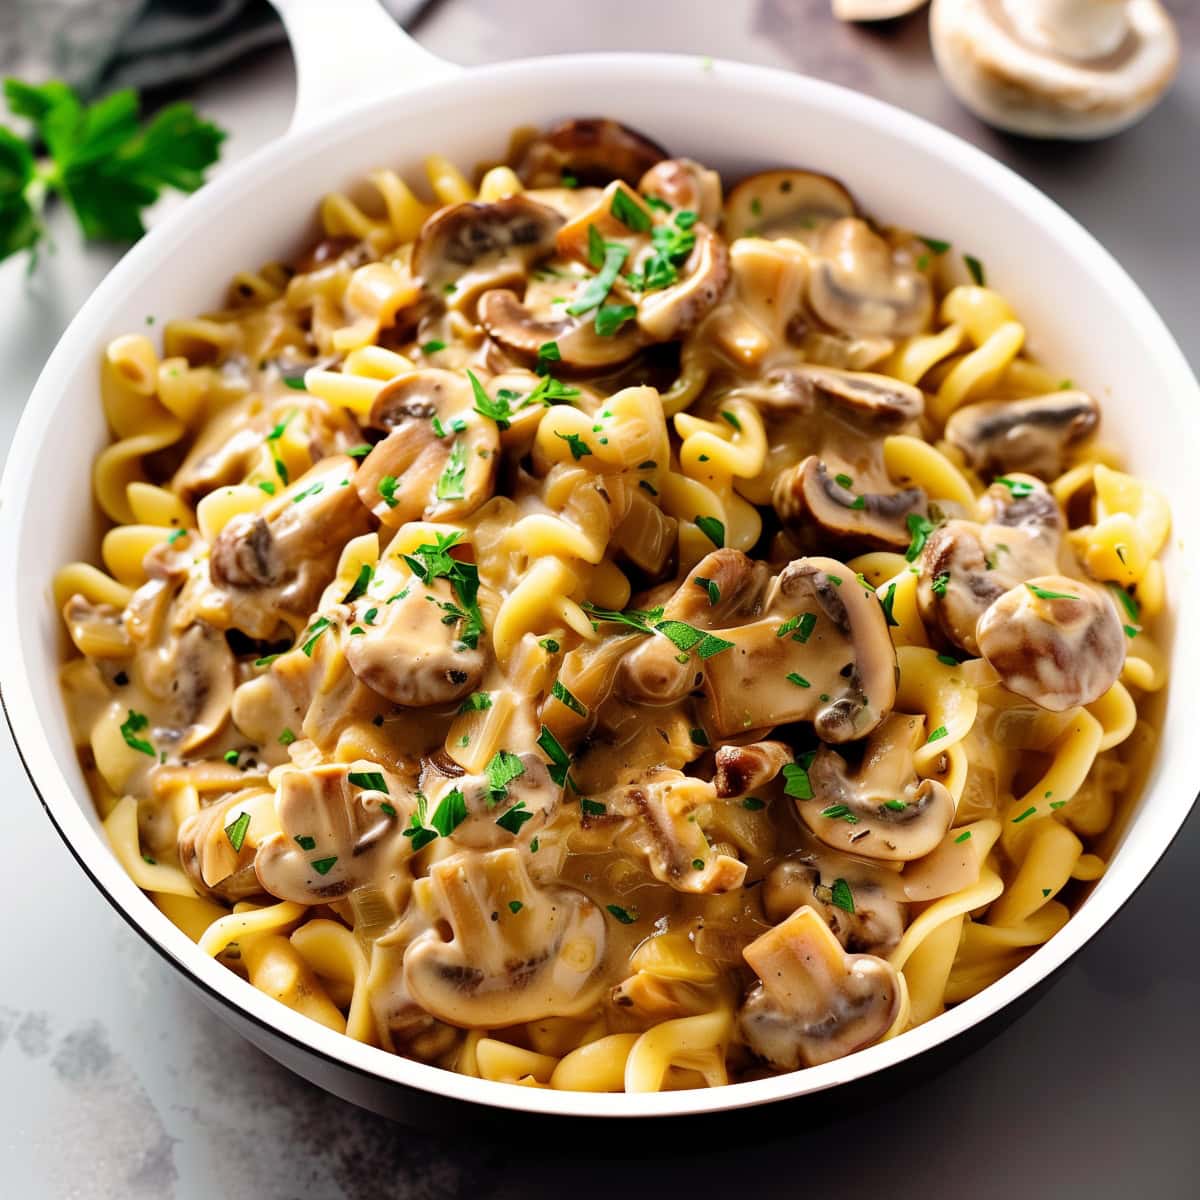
{"x":369,"y":96}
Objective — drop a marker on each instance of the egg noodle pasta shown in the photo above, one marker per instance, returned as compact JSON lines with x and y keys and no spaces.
{"x":588,"y":629}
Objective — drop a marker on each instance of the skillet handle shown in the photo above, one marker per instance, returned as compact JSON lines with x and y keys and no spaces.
{"x":350,"y":51}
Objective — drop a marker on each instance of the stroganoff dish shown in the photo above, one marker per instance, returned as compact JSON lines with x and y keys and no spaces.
{"x":598,"y":630}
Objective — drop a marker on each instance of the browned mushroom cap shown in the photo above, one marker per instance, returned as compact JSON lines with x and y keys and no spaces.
{"x":273,"y":564}
{"x":685,"y":184}
{"x":472,"y":247}
{"x":516,"y":952}
{"x":862,"y":903}
{"x":883,"y":809}
{"x":815,"y":1002}
{"x":207,"y":855}
{"x":858,"y":400}
{"x":660,"y":805}
{"x":410,"y":654}
{"x":1023,"y":435}
{"x":652,"y":673}
{"x":497,"y":816}
{"x":965,"y":567}
{"x":744,"y":769}
{"x":438,"y":463}
{"x":580,"y":348}
{"x":670,"y":312}
{"x":820,"y":653}
{"x":593,"y":150}
{"x":860,"y":284}
{"x":1055,"y":640}
{"x":794,"y":204}
{"x":335,"y":834}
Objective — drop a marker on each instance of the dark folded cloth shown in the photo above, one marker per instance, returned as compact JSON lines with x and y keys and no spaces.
{"x":99,"y":45}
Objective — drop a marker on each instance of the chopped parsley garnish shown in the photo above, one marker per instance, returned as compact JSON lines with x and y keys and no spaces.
{"x":919,"y":529}
{"x":1046,"y":594}
{"x":476,"y":702}
{"x":418,"y":832}
{"x":501,"y":771}
{"x":731,"y":419}
{"x":795,"y":779}
{"x":672,"y":243}
{"x":548,"y":352}
{"x":941,"y":581}
{"x":1133,"y":610}
{"x":895,"y":805}
{"x":305,"y":842}
{"x":636,"y":618}
{"x":235,"y":831}
{"x":313,"y":489}
{"x":887,"y":602}
{"x":267,"y":486}
{"x":314,"y":632}
{"x":390,"y":809}
{"x":550,"y":391}
{"x":714,"y":592}
{"x":579,"y":448}
{"x":629,"y":212}
{"x":130,"y":727}
{"x":798,"y":680}
{"x":497,"y":410}
{"x":843,"y":897}
{"x":231,"y":757}
{"x":975,"y":267}
{"x":712,"y":529}
{"x":1130,"y":631}
{"x":592,"y":808}
{"x":697,"y":864}
{"x":323,"y":866}
{"x":560,"y":761}
{"x":688,"y":637}
{"x":372,"y":781}
{"x":839,"y":812}
{"x":361,"y":583}
{"x":387,"y":489}
{"x":611,"y":317}
{"x":963,"y":837}
{"x":175,"y":535}
{"x":452,"y":482}
{"x":843,"y":481}
{"x":947,"y":660}
{"x":754,"y":804}
{"x":432,"y":562}
{"x":433,"y":346}
{"x":563,"y":696}
{"x":515,"y":818}
{"x":935,"y":244}
{"x":594,"y":292}
{"x":802,"y":623}
{"x":698,"y":737}
{"x":515,"y":906}
{"x":360,"y":451}
{"x":622,"y":915}
{"x":1019,"y":488}
{"x":450,"y":813}
{"x":938,"y":733}
{"x":1027,"y":813}
{"x":286,"y":738}
{"x":549,"y":645}
{"x":1057,"y":804}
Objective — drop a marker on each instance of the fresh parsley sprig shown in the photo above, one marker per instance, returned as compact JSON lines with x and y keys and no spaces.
{"x":101,"y":159}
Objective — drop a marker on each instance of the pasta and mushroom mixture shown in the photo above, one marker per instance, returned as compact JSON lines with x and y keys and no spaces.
{"x":601,"y":630}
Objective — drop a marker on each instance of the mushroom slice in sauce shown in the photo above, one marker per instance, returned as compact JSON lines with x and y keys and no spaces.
{"x":965,"y":567}
{"x":661,"y":804}
{"x":744,"y":769}
{"x":1023,"y":435}
{"x":98,"y":627}
{"x":468,"y":248}
{"x":882,"y":809}
{"x":793,"y":204}
{"x":504,"y":950}
{"x":335,"y":833}
{"x":672,"y":311}
{"x":438,"y":461}
{"x":412,"y":653}
{"x":861,"y":284}
{"x":591,"y":150}
{"x":272,"y":565}
{"x":207,"y":854}
{"x":820,"y":653}
{"x":685,"y":184}
{"x":1055,"y":640}
{"x":190,"y":674}
{"x":865,"y":905}
{"x":815,"y":1002}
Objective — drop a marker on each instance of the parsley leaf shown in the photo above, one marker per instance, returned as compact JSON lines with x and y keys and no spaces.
{"x":712,"y":529}
{"x":133,"y":725}
{"x":592,"y":294}
{"x":919,"y":528}
{"x":235,"y":831}
{"x":451,"y":484}
{"x":611,"y":317}
{"x":450,"y":813}
{"x":579,"y":448}
{"x":629,"y":212}
{"x":501,"y":771}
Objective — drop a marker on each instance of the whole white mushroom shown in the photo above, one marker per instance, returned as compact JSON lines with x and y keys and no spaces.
{"x":1076,"y":69}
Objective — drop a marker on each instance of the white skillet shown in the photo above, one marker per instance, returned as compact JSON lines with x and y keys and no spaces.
{"x":369,"y":96}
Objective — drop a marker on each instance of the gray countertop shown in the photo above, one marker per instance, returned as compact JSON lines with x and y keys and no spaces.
{"x":118,"y":1083}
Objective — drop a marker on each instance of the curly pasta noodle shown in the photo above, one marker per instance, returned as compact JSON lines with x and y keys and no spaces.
{"x":503,"y":589}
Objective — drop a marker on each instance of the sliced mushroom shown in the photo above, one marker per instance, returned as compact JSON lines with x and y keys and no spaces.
{"x":412,"y":652}
{"x":660,"y":804}
{"x":190,"y":674}
{"x":1023,"y":435}
{"x":496,"y":816}
{"x":1055,"y":640}
{"x":335,"y":833}
{"x":815,"y":1002}
{"x":964,"y":567}
{"x":820,"y":653}
{"x":883,"y":809}
{"x":592,"y":150}
{"x":417,"y":472}
{"x":685,"y":184}
{"x":272,"y":565}
{"x":510,"y":951}
{"x":524,"y":332}
{"x":1056,"y":68}
{"x":745,"y":769}
{"x":865,"y":905}
{"x":207,"y":854}
{"x":671,"y":312}
{"x":861,"y":284}
{"x":468,"y":248}
{"x":790,"y":203}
